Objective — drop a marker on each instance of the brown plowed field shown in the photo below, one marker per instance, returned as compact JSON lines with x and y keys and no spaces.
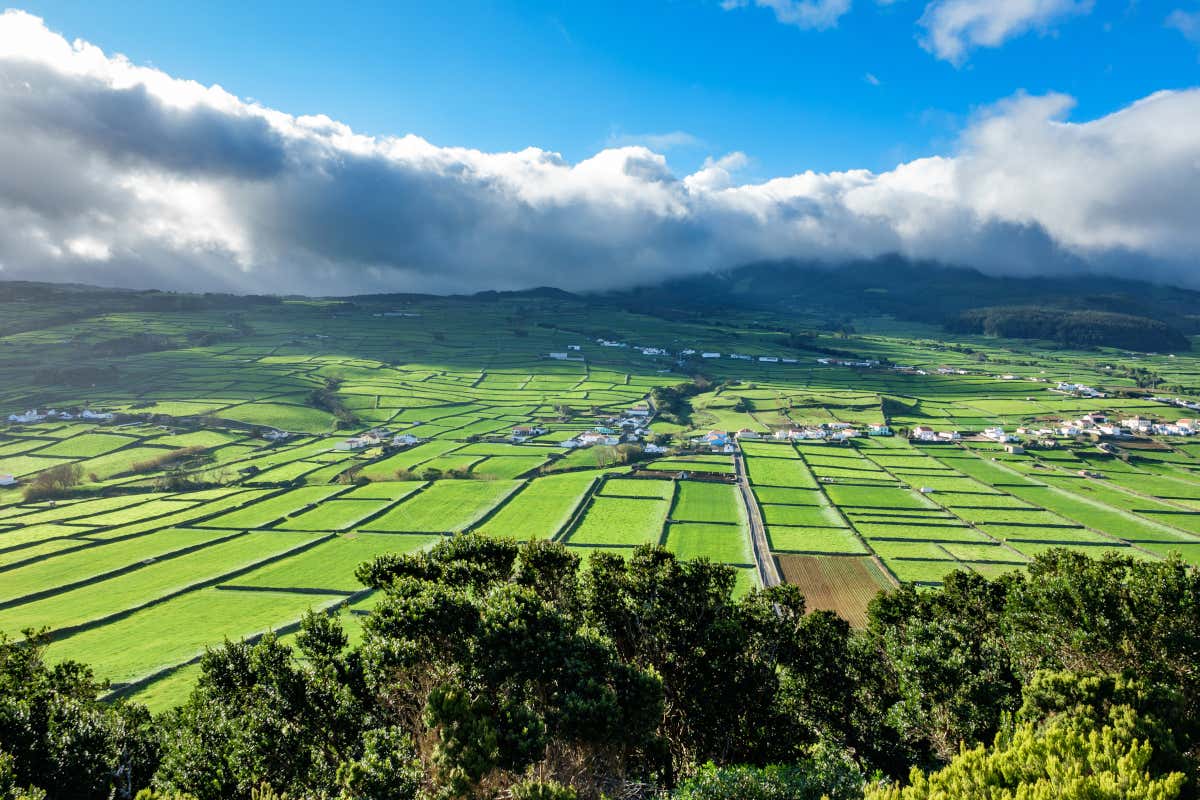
{"x":843,"y":584}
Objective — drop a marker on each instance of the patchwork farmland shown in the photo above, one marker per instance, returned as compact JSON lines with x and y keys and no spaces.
{"x":221,"y":484}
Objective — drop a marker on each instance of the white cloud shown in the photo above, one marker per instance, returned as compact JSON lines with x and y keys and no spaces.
{"x":954,"y":27}
{"x":1187,"y":23}
{"x":871,"y":79}
{"x":655,"y":141}
{"x":118,"y":174}
{"x":806,"y":14}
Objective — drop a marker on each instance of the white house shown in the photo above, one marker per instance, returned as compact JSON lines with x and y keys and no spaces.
{"x":654,"y":449}
{"x":740,"y":357}
{"x":948,"y":436}
{"x":559,"y":356}
{"x":7,"y":480}
{"x":710,"y":355}
{"x":879,"y":430}
{"x":746,"y":433}
{"x":404,"y":440}
{"x":1138,"y":424}
{"x":573,"y":347}
{"x":639,"y":410}
{"x":87,"y":413}
{"x":688,"y":352}
{"x":769,"y":359}
{"x":788,"y":360}
{"x":923,"y":433}
{"x":275,"y":435}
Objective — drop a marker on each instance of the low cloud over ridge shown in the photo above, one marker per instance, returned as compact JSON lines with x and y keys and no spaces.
{"x":118,"y":174}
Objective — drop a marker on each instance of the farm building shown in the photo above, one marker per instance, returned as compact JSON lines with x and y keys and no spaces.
{"x":7,"y":480}
{"x":923,"y":433}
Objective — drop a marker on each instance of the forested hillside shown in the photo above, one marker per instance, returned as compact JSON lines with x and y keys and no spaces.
{"x":1075,"y":329}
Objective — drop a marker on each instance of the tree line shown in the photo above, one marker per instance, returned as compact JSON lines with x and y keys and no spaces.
{"x":1076,"y":329}
{"x":495,"y":669}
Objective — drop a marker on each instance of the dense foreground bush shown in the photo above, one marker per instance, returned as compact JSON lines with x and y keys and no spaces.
{"x":492,"y":669}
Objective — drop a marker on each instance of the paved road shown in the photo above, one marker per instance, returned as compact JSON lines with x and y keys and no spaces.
{"x":768,"y":573}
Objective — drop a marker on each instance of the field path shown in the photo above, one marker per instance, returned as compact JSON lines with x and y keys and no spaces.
{"x":768,"y":573}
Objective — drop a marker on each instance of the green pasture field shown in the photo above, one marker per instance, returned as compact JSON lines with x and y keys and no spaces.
{"x":92,"y":559}
{"x":181,"y":628}
{"x":695,"y":464}
{"x":708,"y":502}
{"x":150,"y":582}
{"x":631,"y":487}
{"x":444,"y":506}
{"x":272,"y":509}
{"x":330,"y":565}
{"x":785,"y":472}
{"x":791,"y":539}
{"x":728,"y":544}
{"x":461,"y":376}
{"x":541,"y":508}
{"x":621,"y":521}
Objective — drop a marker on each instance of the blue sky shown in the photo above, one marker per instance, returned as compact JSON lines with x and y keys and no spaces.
{"x":574,"y":77}
{"x":593,"y":145}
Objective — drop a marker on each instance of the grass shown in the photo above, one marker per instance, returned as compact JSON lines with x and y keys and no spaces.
{"x":99,"y":599}
{"x":778,"y":472}
{"x":629,"y":487}
{"x":445,"y":506}
{"x":729,"y":544}
{"x":814,"y":540}
{"x":709,"y":502}
{"x":272,"y":509}
{"x":621,"y":521}
{"x":459,"y":376}
{"x":541,"y":508}
{"x":59,"y":570}
{"x":334,"y":515}
{"x":331,"y":564}
{"x":181,"y":629}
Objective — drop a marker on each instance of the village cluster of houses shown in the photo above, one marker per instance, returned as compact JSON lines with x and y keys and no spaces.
{"x":33,"y":415}
{"x":1096,"y":423}
{"x":924,"y":433}
{"x":724,"y":442}
{"x":849,"y":362}
{"x":1078,"y":389}
{"x":631,"y":427}
{"x":1129,"y":426}
{"x":377,"y":437}
{"x":686,"y":353}
{"x":1178,"y":402}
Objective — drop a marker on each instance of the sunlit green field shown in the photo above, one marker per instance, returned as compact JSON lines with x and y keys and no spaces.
{"x":186,"y":526}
